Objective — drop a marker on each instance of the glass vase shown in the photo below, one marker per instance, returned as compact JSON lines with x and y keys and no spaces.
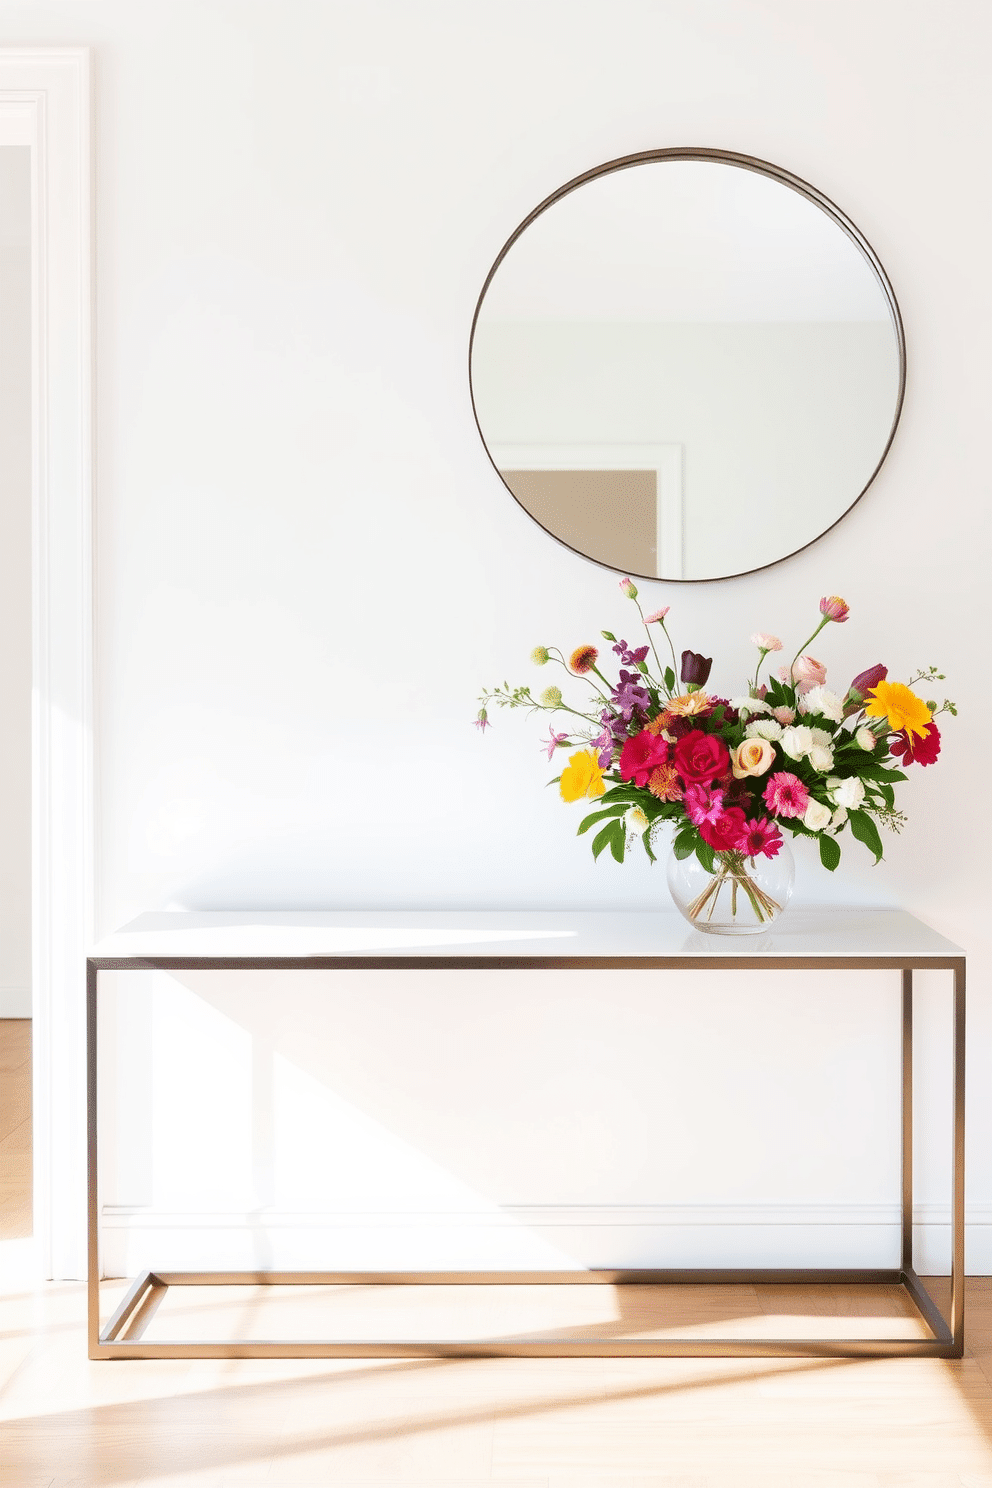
{"x":742,"y":896}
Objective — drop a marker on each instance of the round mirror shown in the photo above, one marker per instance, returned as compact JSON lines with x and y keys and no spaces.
{"x":687,"y":364}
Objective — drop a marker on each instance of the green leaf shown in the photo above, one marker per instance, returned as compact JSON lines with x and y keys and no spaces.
{"x":590,"y":821}
{"x":865,"y":830}
{"x":869,"y":771}
{"x":608,"y":837}
{"x":669,"y":678}
{"x":646,"y":840}
{"x":829,"y":852}
{"x":705,"y":855}
{"x":888,"y":795}
{"x":685,"y":843}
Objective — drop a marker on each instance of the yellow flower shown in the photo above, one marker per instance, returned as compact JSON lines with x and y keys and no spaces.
{"x":903,"y":709}
{"x":582,"y":777}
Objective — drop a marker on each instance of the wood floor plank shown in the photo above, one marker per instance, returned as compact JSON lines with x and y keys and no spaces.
{"x":15,"y":1042}
{"x":549,"y":1423}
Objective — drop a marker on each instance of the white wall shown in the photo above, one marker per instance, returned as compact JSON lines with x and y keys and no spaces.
{"x":306,"y":566}
{"x":15,"y":581}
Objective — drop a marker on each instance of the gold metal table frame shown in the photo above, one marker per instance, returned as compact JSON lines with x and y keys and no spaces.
{"x":121,"y":1336}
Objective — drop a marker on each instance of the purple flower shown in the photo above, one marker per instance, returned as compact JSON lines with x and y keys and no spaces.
{"x":628,"y":657}
{"x":553,"y":741}
{"x":695,"y":668}
{"x":604,"y":743}
{"x":730,"y":715}
{"x":630,"y":696}
{"x":482,"y":722}
{"x":865,"y":681}
{"x":615,"y":727}
{"x":679,"y":727}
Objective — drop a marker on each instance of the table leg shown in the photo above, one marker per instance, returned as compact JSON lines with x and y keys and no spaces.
{"x":92,"y":1197}
{"x":907,"y":1120}
{"x":957,"y":1212}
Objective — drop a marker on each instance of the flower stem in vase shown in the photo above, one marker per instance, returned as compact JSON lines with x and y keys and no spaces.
{"x":733,"y":866}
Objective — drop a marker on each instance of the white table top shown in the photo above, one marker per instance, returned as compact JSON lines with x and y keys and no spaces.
{"x":827,"y":933}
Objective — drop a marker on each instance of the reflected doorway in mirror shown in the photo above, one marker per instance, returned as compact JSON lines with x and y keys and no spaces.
{"x":621,"y":501}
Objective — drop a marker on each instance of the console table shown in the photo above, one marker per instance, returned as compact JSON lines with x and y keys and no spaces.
{"x":821,"y":940}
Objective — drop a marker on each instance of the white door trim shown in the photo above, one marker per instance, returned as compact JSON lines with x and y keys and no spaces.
{"x":47,"y":91}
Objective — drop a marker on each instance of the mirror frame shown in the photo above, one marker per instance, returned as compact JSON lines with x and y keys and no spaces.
{"x":760,"y":167}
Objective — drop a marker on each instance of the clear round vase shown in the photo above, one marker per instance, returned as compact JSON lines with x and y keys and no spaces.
{"x":742,"y":896}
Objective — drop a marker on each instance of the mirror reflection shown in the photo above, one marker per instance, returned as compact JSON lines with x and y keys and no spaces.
{"x":687,"y":368}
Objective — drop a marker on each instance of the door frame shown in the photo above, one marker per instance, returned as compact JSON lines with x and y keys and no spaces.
{"x":45,"y":102}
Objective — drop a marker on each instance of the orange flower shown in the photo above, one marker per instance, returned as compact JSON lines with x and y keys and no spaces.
{"x":689,"y":705}
{"x":903,"y":709}
{"x":583,"y":659}
{"x":664,"y":783}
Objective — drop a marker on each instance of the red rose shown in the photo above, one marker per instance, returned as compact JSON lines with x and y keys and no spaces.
{"x":700,"y":757}
{"x":641,"y":755}
{"x":916,"y":749}
{"x":728,"y":833}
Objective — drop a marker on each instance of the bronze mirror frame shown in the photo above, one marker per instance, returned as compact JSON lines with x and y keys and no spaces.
{"x":760,"y":167}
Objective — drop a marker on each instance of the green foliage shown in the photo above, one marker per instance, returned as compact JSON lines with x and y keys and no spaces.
{"x":829,"y":852}
{"x":685,"y":843}
{"x":871,"y":771}
{"x":590,"y":821}
{"x":613,"y":836}
{"x":865,"y":830}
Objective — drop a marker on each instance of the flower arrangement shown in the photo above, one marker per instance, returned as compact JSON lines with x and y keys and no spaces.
{"x":730,"y":774}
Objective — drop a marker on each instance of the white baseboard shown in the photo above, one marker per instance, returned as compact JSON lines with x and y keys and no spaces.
{"x":15,"y":1002}
{"x":537,"y":1237}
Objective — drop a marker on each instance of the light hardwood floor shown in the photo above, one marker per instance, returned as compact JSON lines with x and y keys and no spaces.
{"x":69,"y":1423}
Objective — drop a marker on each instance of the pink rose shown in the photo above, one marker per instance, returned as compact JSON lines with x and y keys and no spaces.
{"x":807,"y":672}
{"x":727,"y":833}
{"x":700,"y":758}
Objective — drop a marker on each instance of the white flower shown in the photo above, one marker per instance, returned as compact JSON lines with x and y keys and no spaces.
{"x":838,"y":819}
{"x":797,"y":741}
{"x":821,"y":757}
{"x":848,"y":793}
{"x":748,"y":705}
{"x":635,"y":821}
{"x":764,"y":728}
{"x":865,"y":738}
{"x":822,"y":736}
{"x":817,"y":816}
{"x":821,"y":700}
